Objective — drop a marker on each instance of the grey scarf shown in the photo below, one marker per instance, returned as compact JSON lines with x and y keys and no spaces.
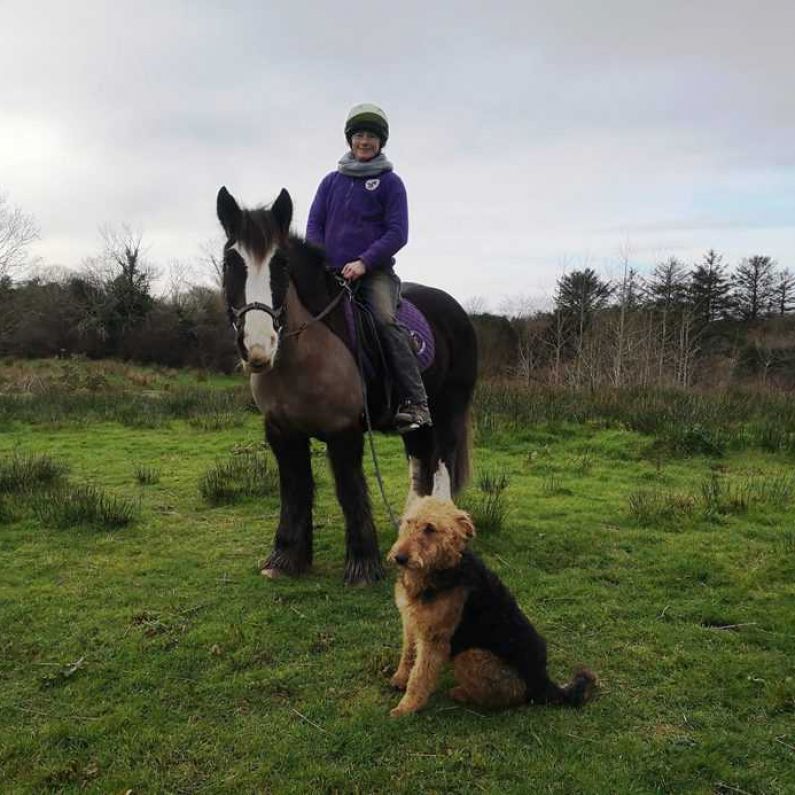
{"x":352,"y":167}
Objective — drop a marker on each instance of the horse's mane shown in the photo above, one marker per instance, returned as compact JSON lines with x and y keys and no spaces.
{"x":308,"y":270}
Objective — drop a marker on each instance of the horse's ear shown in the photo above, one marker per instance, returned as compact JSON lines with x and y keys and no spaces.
{"x":283,"y":211}
{"x":229,"y":213}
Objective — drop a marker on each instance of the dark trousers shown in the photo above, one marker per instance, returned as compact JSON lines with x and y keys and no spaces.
{"x":379,"y":290}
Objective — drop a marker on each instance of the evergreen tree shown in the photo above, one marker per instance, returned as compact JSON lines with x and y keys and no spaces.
{"x":753,"y":292}
{"x":666,"y":288}
{"x":709,"y":289}
{"x":579,"y":295}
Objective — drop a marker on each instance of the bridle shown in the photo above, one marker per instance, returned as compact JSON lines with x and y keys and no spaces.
{"x":278,"y":314}
{"x":236,"y":314}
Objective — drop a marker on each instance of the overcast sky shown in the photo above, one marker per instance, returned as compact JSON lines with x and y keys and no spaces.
{"x":532,"y":137}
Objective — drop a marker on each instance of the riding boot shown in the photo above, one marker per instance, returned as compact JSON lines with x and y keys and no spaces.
{"x":380,"y":290}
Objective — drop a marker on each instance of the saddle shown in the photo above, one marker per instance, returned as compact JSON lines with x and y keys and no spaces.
{"x":358,"y":318}
{"x":364,"y":344}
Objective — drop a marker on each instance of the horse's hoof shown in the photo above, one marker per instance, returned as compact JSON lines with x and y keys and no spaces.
{"x":363,"y":572}
{"x":277,"y":564}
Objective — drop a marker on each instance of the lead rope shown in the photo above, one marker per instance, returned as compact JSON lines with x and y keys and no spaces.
{"x":357,"y":308}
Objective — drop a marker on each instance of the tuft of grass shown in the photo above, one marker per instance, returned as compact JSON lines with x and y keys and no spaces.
{"x":696,"y":439}
{"x":716,"y":496}
{"x":583,"y":463}
{"x":20,"y":474}
{"x":82,"y":506}
{"x":722,"y":497}
{"x":553,"y":486}
{"x":489,"y":509}
{"x":247,"y":474}
{"x":786,"y":543}
{"x":147,"y":475}
{"x":217,"y":420}
{"x":6,"y":514}
{"x":650,"y":508}
{"x":713,"y":496}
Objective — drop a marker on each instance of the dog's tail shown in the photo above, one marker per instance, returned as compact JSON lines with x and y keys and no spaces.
{"x":576,"y":693}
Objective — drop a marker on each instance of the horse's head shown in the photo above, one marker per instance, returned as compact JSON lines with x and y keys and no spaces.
{"x":255,"y":277}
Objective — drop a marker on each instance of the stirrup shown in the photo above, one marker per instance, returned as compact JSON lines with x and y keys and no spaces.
{"x":412,"y":417}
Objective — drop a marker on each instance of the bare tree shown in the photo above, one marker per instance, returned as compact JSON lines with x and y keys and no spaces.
{"x":212,"y":260}
{"x":784,"y":291}
{"x":476,"y":305}
{"x":626,"y":296}
{"x":17,"y":231}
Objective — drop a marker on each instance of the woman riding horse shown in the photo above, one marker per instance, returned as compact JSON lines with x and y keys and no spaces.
{"x":287,"y":311}
{"x":360,"y":217}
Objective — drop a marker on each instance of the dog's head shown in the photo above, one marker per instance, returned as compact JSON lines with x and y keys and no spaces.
{"x":433,"y":535}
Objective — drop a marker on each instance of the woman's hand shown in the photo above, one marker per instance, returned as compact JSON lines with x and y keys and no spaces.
{"x":354,"y":270}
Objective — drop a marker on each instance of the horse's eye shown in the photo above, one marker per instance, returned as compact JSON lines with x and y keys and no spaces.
{"x":429,"y":529}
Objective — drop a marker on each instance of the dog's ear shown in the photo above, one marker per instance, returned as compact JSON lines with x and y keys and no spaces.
{"x":465,"y":525}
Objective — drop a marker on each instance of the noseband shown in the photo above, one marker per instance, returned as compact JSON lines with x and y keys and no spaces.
{"x":278,"y":314}
{"x":237,"y":314}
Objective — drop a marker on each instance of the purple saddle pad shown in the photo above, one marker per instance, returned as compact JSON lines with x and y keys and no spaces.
{"x":408,"y":316}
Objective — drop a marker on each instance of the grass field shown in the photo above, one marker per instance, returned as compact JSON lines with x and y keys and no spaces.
{"x":649,"y":537}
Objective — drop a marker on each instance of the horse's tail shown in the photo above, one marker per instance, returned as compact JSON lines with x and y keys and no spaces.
{"x":462,"y":432}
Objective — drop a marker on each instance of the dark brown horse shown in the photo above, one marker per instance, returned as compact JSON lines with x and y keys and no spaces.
{"x":306,"y":382}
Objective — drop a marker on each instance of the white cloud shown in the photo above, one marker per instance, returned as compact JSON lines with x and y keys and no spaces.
{"x":529,"y":135}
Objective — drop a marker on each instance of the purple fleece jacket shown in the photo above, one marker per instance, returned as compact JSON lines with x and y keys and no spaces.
{"x":364,"y":218}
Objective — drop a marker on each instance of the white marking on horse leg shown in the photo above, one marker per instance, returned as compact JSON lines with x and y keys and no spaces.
{"x":441,"y":483}
{"x":415,"y":473}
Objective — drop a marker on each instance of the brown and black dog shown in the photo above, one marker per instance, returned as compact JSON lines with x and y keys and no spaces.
{"x":454,"y":608}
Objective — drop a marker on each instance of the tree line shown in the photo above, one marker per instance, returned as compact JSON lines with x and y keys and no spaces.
{"x":682,"y":326}
{"x":704,"y":324}
{"x":108,"y":309}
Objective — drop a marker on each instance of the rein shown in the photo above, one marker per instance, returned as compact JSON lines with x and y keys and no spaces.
{"x":362,"y":377}
{"x":329,"y":308}
{"x":278,"y":313}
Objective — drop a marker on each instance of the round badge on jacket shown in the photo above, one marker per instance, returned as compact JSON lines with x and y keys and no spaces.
{"x":372,"y":184}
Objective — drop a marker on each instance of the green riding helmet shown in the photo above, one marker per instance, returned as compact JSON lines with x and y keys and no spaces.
{"x":367,"y":118}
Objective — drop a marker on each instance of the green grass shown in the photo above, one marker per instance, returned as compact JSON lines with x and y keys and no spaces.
{"x":154,"y":658}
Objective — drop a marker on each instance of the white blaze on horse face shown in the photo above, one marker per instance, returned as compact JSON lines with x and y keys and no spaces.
{"x":441,"y":482}
{"x":259,"y":334}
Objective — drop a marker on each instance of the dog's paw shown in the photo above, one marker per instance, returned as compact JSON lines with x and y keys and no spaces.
{"x":399,"y":682}
{"x":399,"y":711}
{"x":458,"y":694}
